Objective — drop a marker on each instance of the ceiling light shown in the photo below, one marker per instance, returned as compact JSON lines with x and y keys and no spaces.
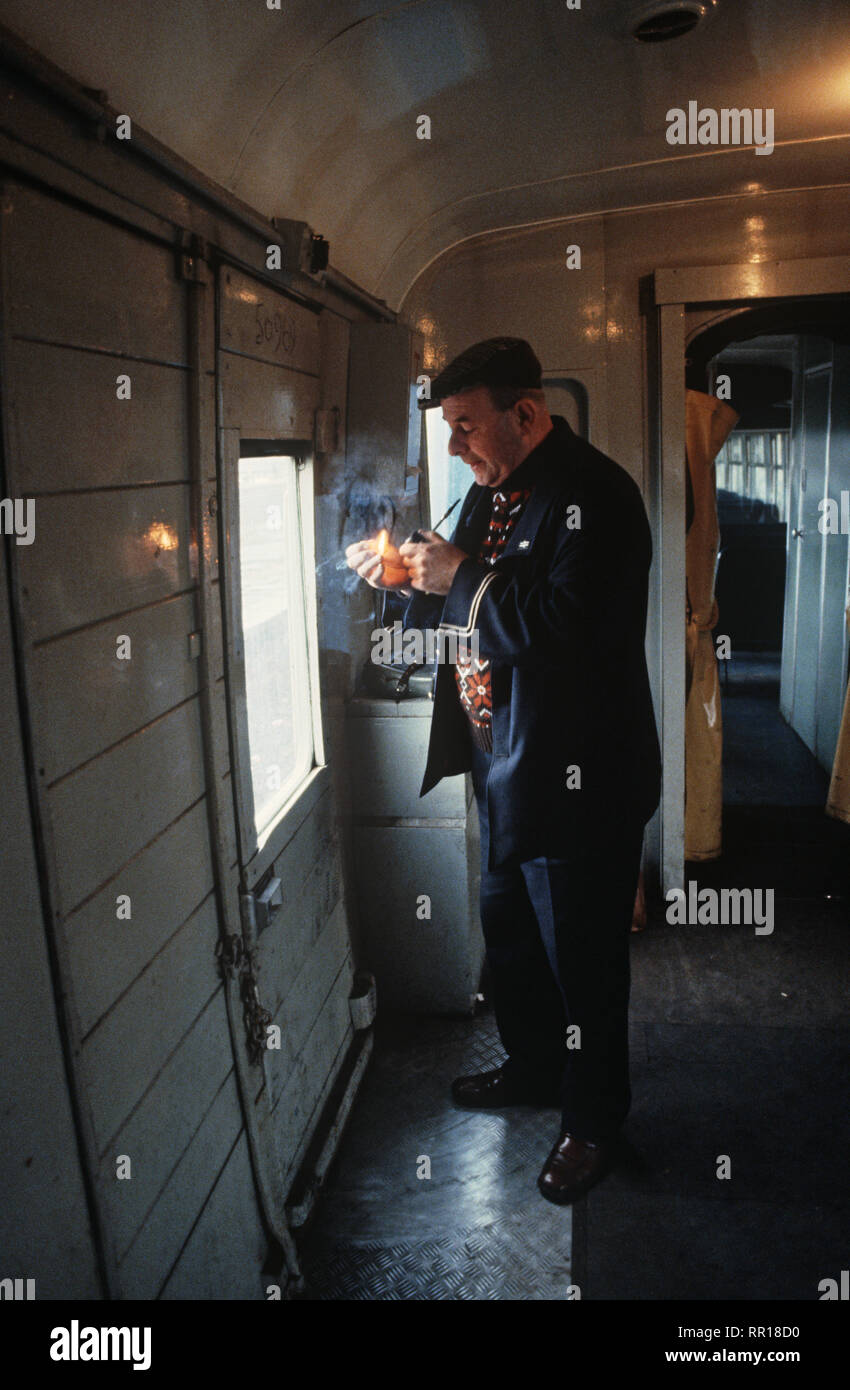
{"x":669,"y":20}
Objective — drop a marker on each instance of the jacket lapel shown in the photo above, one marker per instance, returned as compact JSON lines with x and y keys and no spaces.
{"x":523,"y":534}
{"x":473,"y":522}
{"x":549,"y":472}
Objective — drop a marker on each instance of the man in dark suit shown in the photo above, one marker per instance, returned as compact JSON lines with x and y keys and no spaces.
{"x":548,"y":570}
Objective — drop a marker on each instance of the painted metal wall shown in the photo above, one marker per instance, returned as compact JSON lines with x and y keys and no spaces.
{"x":118,"y":742}
{"x":39,"y":1154}
{"x":120,"y":747}
{"x":815,"y":642}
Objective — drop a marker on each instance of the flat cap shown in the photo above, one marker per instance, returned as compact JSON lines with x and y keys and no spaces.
{"x":494,"y":362}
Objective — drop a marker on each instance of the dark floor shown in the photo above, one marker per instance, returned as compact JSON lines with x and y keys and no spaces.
{"x":764,"y":762}
{"x":740,"y":1047}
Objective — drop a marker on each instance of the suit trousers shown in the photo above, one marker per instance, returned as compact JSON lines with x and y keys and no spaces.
{"x":557,"y":933}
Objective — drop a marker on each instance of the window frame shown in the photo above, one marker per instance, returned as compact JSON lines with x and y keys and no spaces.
{"x":256,"y":852}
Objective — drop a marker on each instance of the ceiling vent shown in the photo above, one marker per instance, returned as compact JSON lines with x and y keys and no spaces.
{"x":669,"y":21}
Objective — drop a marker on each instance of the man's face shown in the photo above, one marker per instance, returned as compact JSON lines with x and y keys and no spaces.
{"x":490,"y":441}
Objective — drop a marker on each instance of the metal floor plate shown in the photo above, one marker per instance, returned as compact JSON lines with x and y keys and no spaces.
{"x":477,"y":1228}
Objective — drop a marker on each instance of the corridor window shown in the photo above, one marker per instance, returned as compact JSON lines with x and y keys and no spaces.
{"x":276,"y":637}
{"x":752,"y":465}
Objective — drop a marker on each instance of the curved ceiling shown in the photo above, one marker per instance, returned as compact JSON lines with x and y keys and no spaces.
{"x":538,"y":110}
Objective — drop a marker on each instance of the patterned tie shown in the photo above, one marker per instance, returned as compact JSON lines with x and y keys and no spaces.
{"x":474,"y":677}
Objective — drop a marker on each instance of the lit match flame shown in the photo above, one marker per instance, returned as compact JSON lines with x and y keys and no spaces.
{"x":382,"y":542}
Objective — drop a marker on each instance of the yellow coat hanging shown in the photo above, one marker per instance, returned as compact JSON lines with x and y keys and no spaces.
{"x":708,"y":421}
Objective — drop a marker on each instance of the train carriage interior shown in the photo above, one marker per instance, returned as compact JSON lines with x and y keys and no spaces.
{"x":243,"y":956}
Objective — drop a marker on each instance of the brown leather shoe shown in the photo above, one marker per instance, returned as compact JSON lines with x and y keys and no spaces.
{"x":572,"y":1167}
{"x":490,"y":1089}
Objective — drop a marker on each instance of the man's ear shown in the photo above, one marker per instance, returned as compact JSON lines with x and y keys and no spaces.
{"x":526,"y":415}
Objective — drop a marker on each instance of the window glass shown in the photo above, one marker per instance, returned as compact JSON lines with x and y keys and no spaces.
{"x":448,"y":477}
{"x":274,"y":634}
{"x":752,"y":466}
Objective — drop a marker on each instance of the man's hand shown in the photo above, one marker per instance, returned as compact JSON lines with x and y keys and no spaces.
{"x":362,"y":558}
{"x":432,"y":563}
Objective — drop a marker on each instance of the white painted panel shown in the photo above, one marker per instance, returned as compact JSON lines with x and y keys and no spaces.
{"x":670,"y":560}
{"x":691,"y":284}
{"x":110,"y":809}
{"x":792,"y":545}
{"x":310,"y":874}
{"x":159,"y":1132}
{"x":156,"y":1249}
{"x":126,"y":1050}
{"x":101,"y":553}
{"x":77,"y":279}
{"x":85,"y":698}
{"x":305,"y":1000}
{"x":165,"y":884}
{"x":421,"y":966}
{"x":44,"y":1225}
{"x":296,"y":927}
{"x":295,"y":1160}
{"x":219,"y":730}
{"x":256,"y":321}
{"x":296,"y":1113}
{"x":386,"y":760}
{"x":224,"y":1255}
{"x":215,"y":635}
{"x":230,"y":822}
{"x":314,"y":839}
{"x":384,"y":423}
{"x":208,"y":407}
{"x":70,"y":430}
{"x":266,"y":402}
{"x":816,"y":392}
{"x":832,"y":669}
{"x":334,"y":335}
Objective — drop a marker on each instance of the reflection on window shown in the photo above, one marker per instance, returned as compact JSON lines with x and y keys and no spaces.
{"x":274,"y":634}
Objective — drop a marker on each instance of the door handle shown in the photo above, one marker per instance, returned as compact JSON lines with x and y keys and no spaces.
{"x":798,"y":532}
{"x":268,"y":902}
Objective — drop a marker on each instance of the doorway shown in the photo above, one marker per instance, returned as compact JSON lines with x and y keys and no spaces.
{"x":779,"y":586}
{"x":782,"y":586}
{"x":702,"y":312}
{"x":782,"y":578}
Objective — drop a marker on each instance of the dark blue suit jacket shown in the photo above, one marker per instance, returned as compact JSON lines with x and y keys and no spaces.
{"x":562,"y":615}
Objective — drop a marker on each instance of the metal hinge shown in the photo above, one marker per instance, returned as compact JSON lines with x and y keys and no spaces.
{"x":236,"y":962}
{"x":229,"y":951}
